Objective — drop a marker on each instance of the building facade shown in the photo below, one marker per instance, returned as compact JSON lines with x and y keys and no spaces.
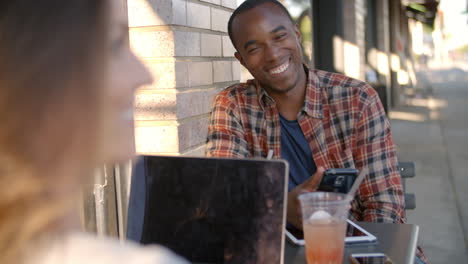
{"x":185,"y":44}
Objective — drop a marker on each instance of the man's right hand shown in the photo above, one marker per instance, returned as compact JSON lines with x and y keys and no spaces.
{"x":294,"y":215}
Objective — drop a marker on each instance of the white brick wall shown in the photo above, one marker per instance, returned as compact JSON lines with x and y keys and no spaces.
{"x":222,"y":71}
{"x":198,"y":151}
{"x":216,"y":2}
{"x":186,"y":43}
{"x":155,"y":137}
{"x":219,"y":19}
{"x":228,"y":48}
{"x":198,"y":15}
{"x":200,"y":73}
{"x":168,"y":75}
{"x":179,"y":12}
{"x":160,"y":105}
{"x":229,"y":3}
{"x":150,"y":44}
{"x":236,"y":75}
{"x":192,"y":132}
{"x":156,"y":12}
{"x":150,"y":105}
{"x":171,"y":137}
{"x":211,"y":45}
{"x":190,"y":64}
{"x":194,"y":102}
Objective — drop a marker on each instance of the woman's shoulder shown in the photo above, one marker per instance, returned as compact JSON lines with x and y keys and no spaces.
{"x":79,"y":248}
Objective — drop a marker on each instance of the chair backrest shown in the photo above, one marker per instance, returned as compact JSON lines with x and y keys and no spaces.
{"x":408,"y":170}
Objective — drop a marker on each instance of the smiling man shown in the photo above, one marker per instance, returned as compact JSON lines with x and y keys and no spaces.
{"x":313,"y":119}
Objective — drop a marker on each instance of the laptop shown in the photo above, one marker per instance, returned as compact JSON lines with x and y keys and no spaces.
{"x":210,"y":210}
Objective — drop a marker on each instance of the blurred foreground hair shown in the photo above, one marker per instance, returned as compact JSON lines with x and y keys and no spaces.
{"x":52,"y":60}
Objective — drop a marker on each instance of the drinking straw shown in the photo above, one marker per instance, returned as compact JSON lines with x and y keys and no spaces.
{"x":357,"y":182}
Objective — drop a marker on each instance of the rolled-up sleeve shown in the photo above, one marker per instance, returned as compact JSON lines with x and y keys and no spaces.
{"x":381,"y":193}
{"x":226,"y":137}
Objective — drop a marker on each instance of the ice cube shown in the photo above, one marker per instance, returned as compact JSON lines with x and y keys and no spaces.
{"x":320,"y":215}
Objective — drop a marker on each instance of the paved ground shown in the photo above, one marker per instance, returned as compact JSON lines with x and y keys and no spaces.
{"x":432,"y":130}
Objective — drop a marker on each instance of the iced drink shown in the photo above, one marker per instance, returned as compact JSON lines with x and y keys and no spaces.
{"x":324,"y":223}
{"x":324,"y":241}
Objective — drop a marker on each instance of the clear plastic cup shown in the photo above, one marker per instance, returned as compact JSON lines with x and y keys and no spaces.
{"x":324,"y":217}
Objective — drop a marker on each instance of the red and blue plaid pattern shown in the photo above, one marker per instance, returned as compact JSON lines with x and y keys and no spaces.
{"x":342,"y":119}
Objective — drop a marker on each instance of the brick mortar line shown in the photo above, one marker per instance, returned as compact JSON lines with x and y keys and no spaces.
{"x":158,"y":153}
{"x":191,"y":118}
{"x":172,"y":122}
{"x":221,"y":7}
{"x":193,"y":148}
{"x":181,"y":90}
{"x":204,"y":59}
{"x":180,"y":153}
{"x":219,"y":86}
{"x":203,"y":89}
{"x":179,"y":28}
{"x":174,"y":90}
{"x":142,"y":91}
{"x":188,"y":59}
{"x":153,"y":123}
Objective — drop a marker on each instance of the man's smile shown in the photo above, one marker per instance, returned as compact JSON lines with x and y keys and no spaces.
{"x":279,"y":69}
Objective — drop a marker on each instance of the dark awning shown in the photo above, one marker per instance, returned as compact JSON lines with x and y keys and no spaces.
{"x":424,"y":11}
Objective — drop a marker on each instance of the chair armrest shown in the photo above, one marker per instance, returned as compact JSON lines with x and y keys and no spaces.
{"x":407,"y":169}
{"x":410,"y":201}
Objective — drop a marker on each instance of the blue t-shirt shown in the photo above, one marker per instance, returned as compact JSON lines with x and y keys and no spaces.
{"x":295,"y":149}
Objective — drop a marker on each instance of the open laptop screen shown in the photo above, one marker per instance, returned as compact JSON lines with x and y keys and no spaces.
{"x":214,"y":210}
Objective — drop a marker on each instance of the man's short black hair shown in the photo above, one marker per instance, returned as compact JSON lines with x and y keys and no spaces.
{"x":250,"y":4}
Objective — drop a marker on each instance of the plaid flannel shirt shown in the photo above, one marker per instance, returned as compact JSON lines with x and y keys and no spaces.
{"x":344,"y":123}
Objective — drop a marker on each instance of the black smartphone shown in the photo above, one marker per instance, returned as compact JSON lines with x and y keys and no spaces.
{"x":338,"y":180}
{"x":370,"y":258}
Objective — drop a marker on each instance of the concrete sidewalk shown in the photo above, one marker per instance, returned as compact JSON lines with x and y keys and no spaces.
{"x":432,"y":130}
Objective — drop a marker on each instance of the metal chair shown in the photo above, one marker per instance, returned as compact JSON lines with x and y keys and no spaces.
{"x":407,"y":170}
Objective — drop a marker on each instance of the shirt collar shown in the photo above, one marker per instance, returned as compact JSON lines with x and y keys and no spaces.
{"x":313,"y":99}
{"x":313,"y":105}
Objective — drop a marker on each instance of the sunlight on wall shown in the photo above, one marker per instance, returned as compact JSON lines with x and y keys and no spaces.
{"x":372,"y":58}
{"x":352,"y":66}
{"x":338,"y":59}
{"x":417,"y":36}
{"x":156,"y":49}
{"x":346,"y":57}
{"x":382,"y":63}
{"x":378,"y":60}
{"x":411,"y":72}
{"x":395,"y":62}
{"x":142,"y":13}
{"x":407,"y":116}
{"x":431,"y":103}
{"x":434,"y":105}
{"x":402,"y":77}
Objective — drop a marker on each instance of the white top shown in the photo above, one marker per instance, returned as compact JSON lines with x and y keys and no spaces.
{"x":80,"y":248}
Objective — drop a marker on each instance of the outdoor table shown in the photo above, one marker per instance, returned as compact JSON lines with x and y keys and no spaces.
{"x":397,"y":241}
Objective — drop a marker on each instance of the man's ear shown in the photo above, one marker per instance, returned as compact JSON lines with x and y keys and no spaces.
{"x":239,"y":58}
{"x":298,"y":32}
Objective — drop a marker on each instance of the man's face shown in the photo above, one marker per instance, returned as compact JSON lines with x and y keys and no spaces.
{"x":268,"y":45}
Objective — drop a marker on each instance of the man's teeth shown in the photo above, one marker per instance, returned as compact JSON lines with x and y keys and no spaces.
{"x":280,"y":69}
